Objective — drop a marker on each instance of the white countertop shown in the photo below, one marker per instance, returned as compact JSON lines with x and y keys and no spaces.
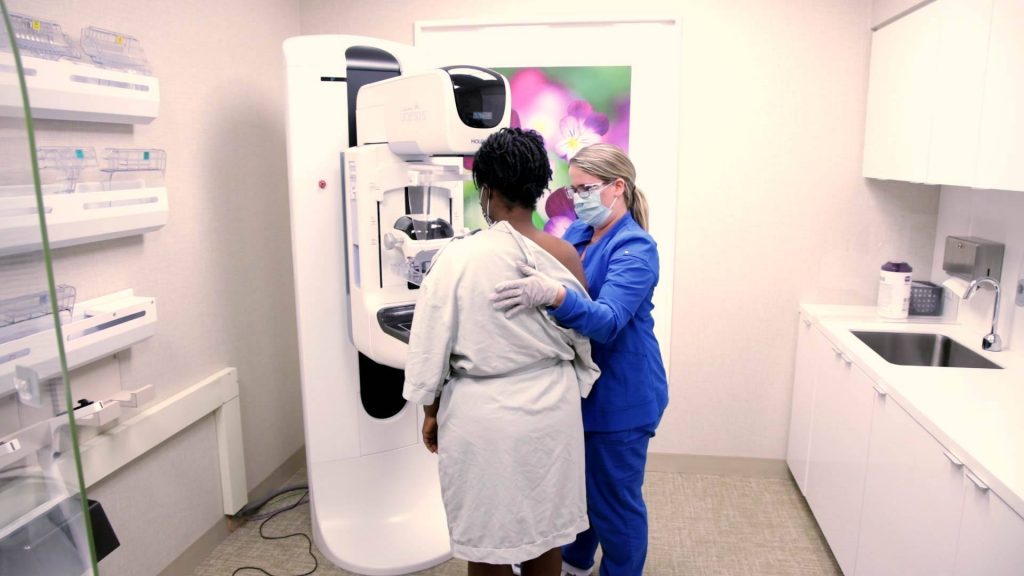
{"x":977,"y":414}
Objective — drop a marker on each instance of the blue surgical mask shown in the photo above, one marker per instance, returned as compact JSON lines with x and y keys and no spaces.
{"x":591,"y":210}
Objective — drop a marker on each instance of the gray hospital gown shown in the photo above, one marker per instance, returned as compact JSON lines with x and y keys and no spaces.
{"x":510,"y":431}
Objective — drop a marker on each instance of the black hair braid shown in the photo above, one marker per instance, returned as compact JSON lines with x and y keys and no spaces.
{"x":513,"y":162}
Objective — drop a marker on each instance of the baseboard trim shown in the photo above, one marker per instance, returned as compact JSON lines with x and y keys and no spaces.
{"x":717,"y":465}
{"x":187,"y":562}
{"x":194,"y":555}
{"x":278,"y":477}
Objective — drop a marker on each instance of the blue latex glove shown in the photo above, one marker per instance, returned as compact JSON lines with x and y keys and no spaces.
{"x":535,"y":289}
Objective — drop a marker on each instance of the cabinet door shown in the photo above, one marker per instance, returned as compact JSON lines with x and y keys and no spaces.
{"x":1001,"y":158}
{"x":811,"y":347}
{"x":901,"y":89}
{"x":991,"y":537}
{"x":956,"y":120}
{"x":913,"y":496}
{"x":840,"y":430}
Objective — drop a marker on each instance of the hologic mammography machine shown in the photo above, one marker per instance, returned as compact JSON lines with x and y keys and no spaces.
{"x":376,"y":142}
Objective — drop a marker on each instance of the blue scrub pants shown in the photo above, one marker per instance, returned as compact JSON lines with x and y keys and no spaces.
{"x":615,"y":464}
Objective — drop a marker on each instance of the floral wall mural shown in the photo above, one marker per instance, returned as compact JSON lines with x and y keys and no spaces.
{"x":571,"y":107}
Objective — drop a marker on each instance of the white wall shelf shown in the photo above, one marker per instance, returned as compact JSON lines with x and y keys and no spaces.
{"x":67,"y":90}
{"x":80,"y":217}
{"x":98,"y":328}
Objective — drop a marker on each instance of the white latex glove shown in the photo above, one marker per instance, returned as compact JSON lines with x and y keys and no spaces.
{"x":534,"y":290}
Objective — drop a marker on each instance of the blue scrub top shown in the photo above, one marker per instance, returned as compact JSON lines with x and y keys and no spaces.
{"x":622,"y":271}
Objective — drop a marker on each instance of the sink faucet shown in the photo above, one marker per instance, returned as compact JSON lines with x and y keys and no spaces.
{"x":991,"y":341}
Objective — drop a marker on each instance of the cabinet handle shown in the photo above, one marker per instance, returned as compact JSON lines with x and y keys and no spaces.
{"x":977,"y":481}
{"x":837,"y":351}
{"x":846,"y":359}
{"x":949,"y":456}
{"x":878,"y":388}
{"x":806,"y":321}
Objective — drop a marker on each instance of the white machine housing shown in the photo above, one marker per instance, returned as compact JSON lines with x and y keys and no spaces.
{"x":443,"y":112}
{"x":386,"y":265}
{"x":421,"y":125}
{"x":375,"y":495}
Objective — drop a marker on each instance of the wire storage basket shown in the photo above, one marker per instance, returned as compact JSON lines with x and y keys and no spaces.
{"x":114,"y":50}
{"x":66,"y":163}
{"x":29,"y":306}
{"x":133,"y":160}
{"x":39,"y":38}
{"x":925,"y":299}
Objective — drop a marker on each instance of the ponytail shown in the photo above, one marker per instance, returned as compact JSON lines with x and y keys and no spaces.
{"x":637,"y":203}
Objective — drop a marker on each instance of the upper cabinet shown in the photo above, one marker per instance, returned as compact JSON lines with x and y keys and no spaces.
{"x":1001,"y":158}
{"x":942,"y":90}
{"x":901,"y":86}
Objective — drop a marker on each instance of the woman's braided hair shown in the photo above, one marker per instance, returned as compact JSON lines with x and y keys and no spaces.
{"x":514,"y":162}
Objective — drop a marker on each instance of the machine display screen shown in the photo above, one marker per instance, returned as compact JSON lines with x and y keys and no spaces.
{"x":479,"y":95}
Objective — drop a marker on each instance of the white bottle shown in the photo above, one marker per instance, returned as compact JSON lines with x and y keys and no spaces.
{"x":894,"y":290}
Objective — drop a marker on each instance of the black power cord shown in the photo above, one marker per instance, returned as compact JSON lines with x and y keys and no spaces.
{"x":270,"y":516}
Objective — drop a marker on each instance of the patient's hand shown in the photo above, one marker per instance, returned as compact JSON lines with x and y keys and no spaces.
{"x":430,"y":433}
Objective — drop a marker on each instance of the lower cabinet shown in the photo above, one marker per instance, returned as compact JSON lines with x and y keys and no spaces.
{"x":840,"y":431}
{"x":913,"y":497}
{"x":890,"y":499}
{"x":991,"y":536}
{"x":811,"y":345}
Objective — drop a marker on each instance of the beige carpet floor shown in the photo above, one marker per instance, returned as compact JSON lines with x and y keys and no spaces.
{"x":699,"y":526}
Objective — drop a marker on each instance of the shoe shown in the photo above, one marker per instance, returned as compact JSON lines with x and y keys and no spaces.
{"x":570,"y":570}
{"x":517,"y":569}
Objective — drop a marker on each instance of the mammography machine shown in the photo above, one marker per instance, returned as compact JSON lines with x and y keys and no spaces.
{"x":375,"y":188}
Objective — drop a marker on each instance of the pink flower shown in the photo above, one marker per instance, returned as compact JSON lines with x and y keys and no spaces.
{"x":538,"y":102}
{"x":558,"y":225}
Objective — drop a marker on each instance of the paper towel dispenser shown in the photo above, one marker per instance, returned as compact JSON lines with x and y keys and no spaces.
{"x":969,"y":257}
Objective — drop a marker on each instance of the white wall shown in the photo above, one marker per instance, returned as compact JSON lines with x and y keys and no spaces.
{"x":772,"y":207}
{"x":221,"y":268}
{"x":995,"y":215}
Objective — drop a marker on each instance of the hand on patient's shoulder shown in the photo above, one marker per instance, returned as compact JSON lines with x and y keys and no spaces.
{"x":534,"y":290}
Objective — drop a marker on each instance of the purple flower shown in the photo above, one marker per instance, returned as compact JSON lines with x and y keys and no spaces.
{"x":560,"y":212}
{"x":580,"y":128}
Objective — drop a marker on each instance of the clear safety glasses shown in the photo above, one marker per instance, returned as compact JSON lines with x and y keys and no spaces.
{"x":584,"y":191}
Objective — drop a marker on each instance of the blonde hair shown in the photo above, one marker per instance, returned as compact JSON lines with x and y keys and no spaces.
{"x":609,"y":162}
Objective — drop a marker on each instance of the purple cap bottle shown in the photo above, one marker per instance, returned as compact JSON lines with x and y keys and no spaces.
{"x":897,"y":267}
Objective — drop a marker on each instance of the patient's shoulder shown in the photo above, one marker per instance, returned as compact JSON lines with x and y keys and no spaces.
{"x":564,"y":252}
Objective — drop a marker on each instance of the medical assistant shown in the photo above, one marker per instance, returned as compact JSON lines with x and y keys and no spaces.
{"x":628,"y":399}
{"x":622,"y":271}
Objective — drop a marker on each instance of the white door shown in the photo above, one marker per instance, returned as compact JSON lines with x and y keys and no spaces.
{"x":991,"y":536}
{"x":840,"y":431}
{"x":913,"y":497}
{"x":956,"y":122}
{"x":811,"y":346}
{"x":901,"y":93}
{"x":1001,"y":158}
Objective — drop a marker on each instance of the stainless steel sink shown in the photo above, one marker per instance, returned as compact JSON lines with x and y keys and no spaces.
{"x":913,"y":349}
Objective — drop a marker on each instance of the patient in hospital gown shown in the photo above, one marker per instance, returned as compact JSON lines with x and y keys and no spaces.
{"x":510,"y":435}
